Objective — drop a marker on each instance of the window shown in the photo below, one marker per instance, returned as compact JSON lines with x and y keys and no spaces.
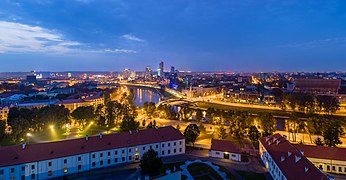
{"x":23,"y":177}
{"x":79,"y":158}
{"x":328,"y":168}
{"x":1,"y":171}
{"x":233,"y":155}
{"x":163,"y":145}
{"x":169,"y":144}
{"x":157,"y":146}
{"x":116,"y":160}
{"x":65,"y":161}
{"x":93,"y":164}
{"x":136,"y":149}
{"x":123,"y":151}
{"x":345,"y":169}
{"x":180,"y":142}
{"x":217,"y":153}
{"x":179,"y":149}
{"x":123,"y":159}
{"x":163,"y":153}
{"x":333,"y":168}
{"x":320,"y":167}
{"x":49,"y":163}
{"x":115,"y":152}
{"x":175,"y":150}
{"x":129,"y":150}
{"x":101,"y":154}
{"x":12,"y":170}
{"x":101,"y":163}
{"x":23,"y":168}
{"x":151,"y":147}
{"x":65,"y":170}
{"x":340,"y":169}
{"x":50,"y":173}
{"x":32,"y":166}
{"x":143,"y":148}
{"x":93,"y":156}
{"x":108,"y":161}
{"x":130,"y":157}
{"x":79,"y":167}
{"x":33,"y":176}
{"x":169,"y":151}
{"x":175,"y":143}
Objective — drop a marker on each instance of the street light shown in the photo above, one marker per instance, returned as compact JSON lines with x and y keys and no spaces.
{"x":28,"y":135}
{"x":51,"y":126}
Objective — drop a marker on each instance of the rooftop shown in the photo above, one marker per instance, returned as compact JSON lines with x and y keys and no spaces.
{"x":332,"y":153}
{"x":225,"y":146}
{"x":289,"y":159}
{"x":13,"y":155}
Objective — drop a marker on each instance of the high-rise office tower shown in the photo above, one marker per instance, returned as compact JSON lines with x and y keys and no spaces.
{"x":160,"y":70}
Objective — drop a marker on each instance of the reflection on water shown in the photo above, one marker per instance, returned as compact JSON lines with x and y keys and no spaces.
{"x":145,"y":95}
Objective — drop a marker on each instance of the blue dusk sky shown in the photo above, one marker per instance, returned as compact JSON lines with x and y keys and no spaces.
{"x":198,"y":35}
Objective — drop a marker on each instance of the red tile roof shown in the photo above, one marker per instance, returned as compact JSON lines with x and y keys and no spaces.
{"x":89,"y":98}
{"x":13,"y":155}
{"x":330,"y":153}
{"x":225,"y":146}
{"x":279,"y":148}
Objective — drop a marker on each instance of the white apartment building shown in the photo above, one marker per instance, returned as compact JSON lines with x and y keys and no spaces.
{"x":56,"y":159}
{"x":285,"y":162}
{"x":4,"y":110}
{"x":327,"y":159}
{"x":225,"y":150}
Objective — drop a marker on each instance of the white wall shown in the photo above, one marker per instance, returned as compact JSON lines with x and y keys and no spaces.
{"x":220,"y":154}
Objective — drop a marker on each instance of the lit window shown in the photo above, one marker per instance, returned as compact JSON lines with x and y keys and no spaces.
{"x":50,"y":173}
{"x":65,"y":170}
{"x":136,"y":149}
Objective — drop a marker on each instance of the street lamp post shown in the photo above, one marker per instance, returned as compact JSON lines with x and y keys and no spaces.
{"x":28,"y":135}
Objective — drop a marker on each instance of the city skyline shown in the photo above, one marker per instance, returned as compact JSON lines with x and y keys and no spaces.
{"x":233,"y":36}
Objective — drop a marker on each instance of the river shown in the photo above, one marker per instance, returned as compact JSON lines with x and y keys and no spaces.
{"x":143,"y":95}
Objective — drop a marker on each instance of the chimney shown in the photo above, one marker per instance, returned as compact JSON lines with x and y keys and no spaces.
{"x":23,"y":145}
{"x":275,"y":138}
{"x":306,"y":169}
{"x":282,"y":158}
{"x":86,"y":137}
{"x":302,"y":152}
{"x":137,"y":131}
{"x":278,"y":142}
{"x":267,"y":139}
{"x":297,"y":158}
{"x":285,"y":136}
{"x":130,"y":131}
{"x":100,"y":135}
{"x":156,"y":127}
{"x":289,"y":154}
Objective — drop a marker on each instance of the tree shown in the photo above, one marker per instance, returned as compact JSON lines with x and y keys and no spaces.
{"x":2,"y":129}
{"x":129,"y":123}
{"x":268,"y":124}
{"x":254,"y":134}
{"x":149,"y":108}
{"x":52,"y":115}
{"x":83,"y":115}
{"x":191,"y":133}
{"x":318,"y":141}
{"x":150,"y":162}
{"x":332,"y":133}
{"x":328,"y":104}
{"x":144,"y":123}
{"x":238,"y":126}
{"x":20,"y":126}
{"x":113,"y":112}
{"x":199,"y":115}
{"x":221,"y":132}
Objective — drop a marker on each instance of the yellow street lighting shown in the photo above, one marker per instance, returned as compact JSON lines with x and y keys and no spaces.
{"x":28,"y":134}
{"x":51,"y":126}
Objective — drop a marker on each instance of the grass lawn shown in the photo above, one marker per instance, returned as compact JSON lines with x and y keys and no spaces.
{"x":202,"y":171}
{"x":251,"y":175}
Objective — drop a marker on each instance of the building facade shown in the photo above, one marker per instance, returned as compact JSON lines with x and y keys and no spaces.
{"x":225,"y":150}
{"x":61,"y":158}
{"x":284,"y":162}
{"x":332,"y":160}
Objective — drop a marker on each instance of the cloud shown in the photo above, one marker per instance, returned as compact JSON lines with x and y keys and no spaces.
{"x":337,"y":41}
{"x":22,"y":38}
{"x":132,"y":38}
{"x":127,"y":51}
